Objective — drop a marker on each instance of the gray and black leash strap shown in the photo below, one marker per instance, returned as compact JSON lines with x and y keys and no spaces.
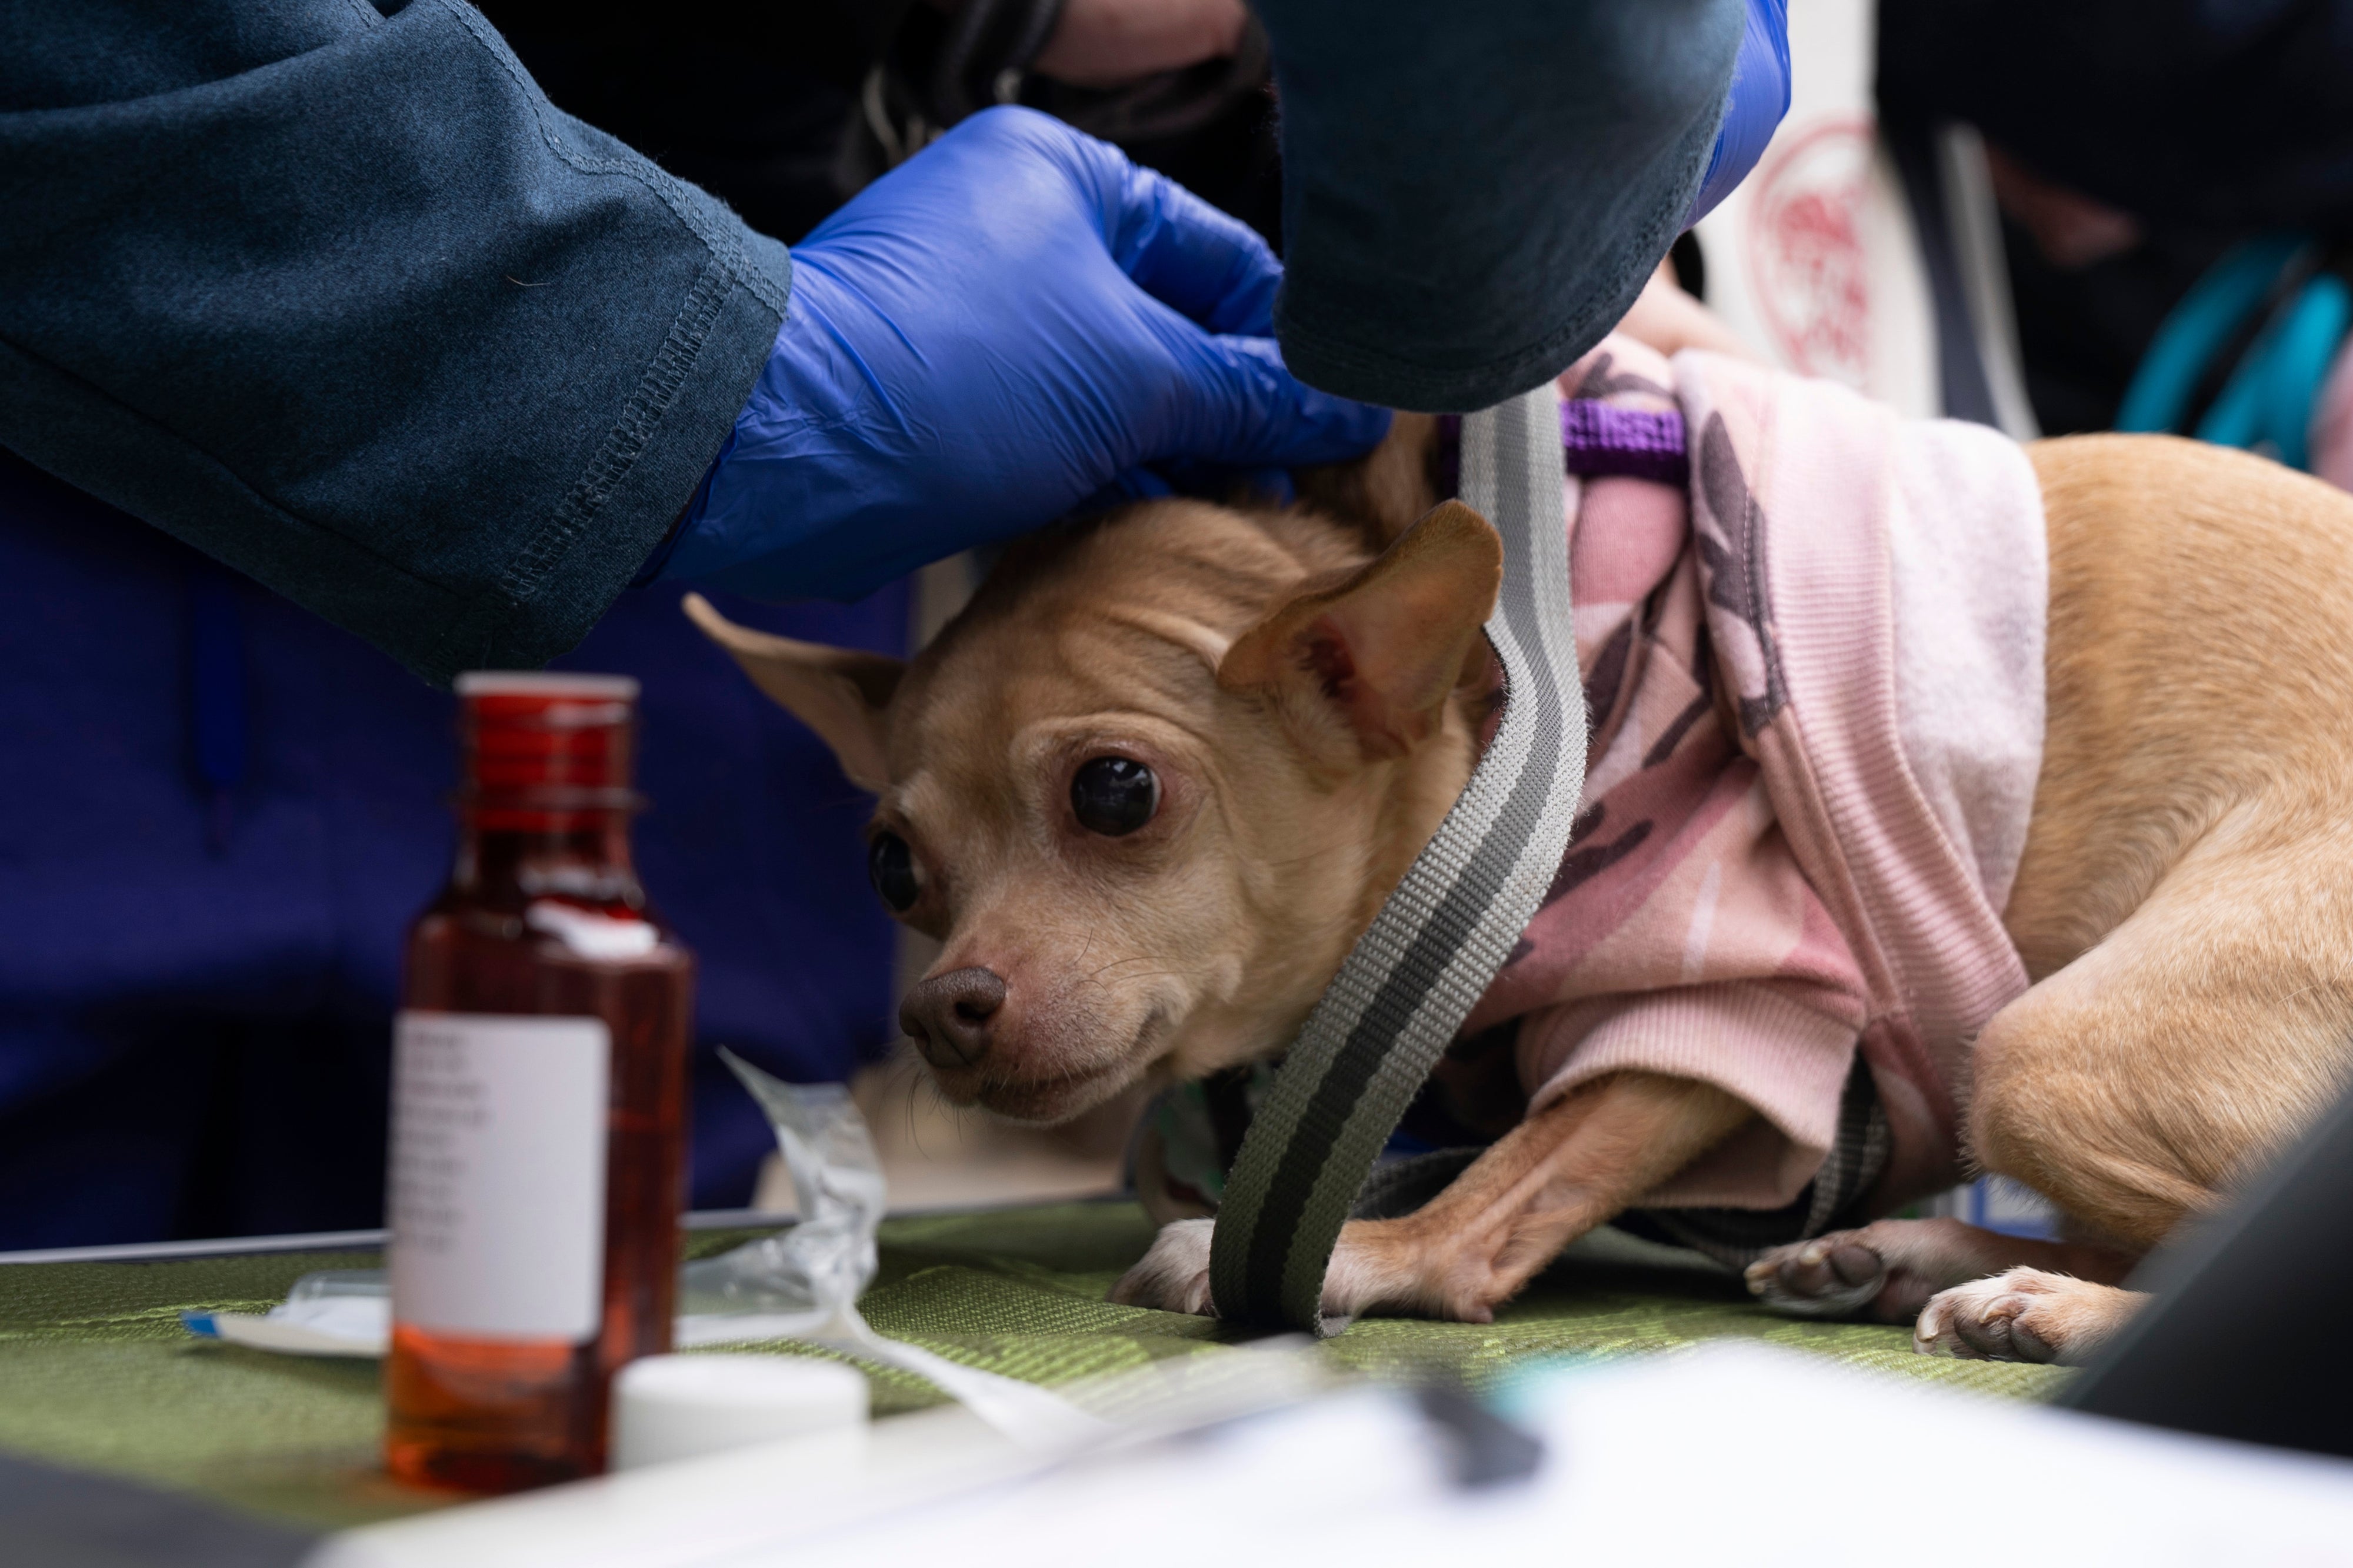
{"x":1414,"y":976}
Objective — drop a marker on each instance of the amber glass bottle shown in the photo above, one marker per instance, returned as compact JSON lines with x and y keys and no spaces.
{"x":539,"y":1103}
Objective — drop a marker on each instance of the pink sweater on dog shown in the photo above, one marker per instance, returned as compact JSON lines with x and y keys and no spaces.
{"x":1815,"y":676}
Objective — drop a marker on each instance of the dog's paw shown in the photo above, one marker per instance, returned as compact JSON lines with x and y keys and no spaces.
{"x":1175,"y":1275}
{"x":1885,"y":1271}
{"x":1833,"y":1276}
{"x":1401,"y":1266}
{"x":2023,"y":1314}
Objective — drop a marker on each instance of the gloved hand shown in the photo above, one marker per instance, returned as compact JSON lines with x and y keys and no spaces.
{"x":1753,"y":108}
{"x":985,"y":337}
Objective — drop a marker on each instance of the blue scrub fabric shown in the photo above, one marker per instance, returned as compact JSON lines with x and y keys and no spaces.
{"x":221,"y":812}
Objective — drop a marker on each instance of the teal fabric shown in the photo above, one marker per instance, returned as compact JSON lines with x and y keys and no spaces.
{"x":2159,"y":397}
{"x":2269,"y":397}
{"x":2267,"y":401}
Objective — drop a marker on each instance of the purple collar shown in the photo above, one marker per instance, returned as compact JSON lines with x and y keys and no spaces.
{"x":1598,"y":438}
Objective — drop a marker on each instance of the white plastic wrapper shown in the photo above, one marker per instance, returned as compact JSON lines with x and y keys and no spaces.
{"x":805,"y":1280}
{"x":799,"y":1284}
{"x":804,"y":1283}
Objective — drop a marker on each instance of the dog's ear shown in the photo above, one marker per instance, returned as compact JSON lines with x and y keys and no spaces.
{"x":1375,"y":655}
{"x":839,"y":692}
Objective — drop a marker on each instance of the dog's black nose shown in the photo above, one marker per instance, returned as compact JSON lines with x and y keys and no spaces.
{"x":947,"y":1016}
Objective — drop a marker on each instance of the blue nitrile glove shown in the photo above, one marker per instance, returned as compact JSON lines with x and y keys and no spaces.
{"x":999,"y":329}
{"x":1753,"y":108}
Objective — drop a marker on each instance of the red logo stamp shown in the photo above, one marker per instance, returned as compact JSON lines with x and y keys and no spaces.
{"x":1805,"y":263}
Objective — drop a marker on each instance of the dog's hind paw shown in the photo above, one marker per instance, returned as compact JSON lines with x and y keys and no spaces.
{"x":2023,"y":1314}
{"x":1885,"y":1271}
{"x":1833,"y":1276}
{"x":1175,"y":1275}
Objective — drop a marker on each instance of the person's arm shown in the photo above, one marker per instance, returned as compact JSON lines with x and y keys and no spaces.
{"x":344,"y":302}
{"x":1666,"y":318}
{"x":1474,"y":193}
{"x":341,"y":300}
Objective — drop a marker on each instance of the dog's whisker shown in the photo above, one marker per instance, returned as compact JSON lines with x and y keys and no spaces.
{"x":1116,"y":963}
{"x":917,"y":1084}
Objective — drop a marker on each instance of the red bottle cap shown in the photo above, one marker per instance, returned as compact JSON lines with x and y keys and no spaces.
{"x":544,"y":750}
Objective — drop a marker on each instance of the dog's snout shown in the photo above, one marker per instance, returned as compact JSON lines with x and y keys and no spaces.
{"x":948,"y":1016}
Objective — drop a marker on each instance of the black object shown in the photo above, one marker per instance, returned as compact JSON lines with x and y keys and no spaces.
{"x":1964,"y":389}
{"x":1488,"y":1450}
{"x":1209,"y":127}
{"x":2082,"y":330}
{"x":751,"y":100}
{"x":1690,"y":263}
{"x":891,"y":867}
{"x":1114,"y":795}
{"x":2244,"y":1337}
{"x":785,"y":109}
{"x":51,"y":1518}
{"x":987,"y":45}
{"x":2182,"y":112}
{"x":2208,"y":123}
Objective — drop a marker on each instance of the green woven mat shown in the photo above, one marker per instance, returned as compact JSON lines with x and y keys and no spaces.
{"x":97,"y":1373}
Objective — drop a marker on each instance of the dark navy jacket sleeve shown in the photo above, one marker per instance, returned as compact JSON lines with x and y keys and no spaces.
{"x":1474,"y":191}
{"x":339,"y":299}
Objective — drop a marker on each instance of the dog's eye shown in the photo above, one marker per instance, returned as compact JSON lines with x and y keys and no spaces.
{"x":1113,"y":795}
{"x":891,"y":864}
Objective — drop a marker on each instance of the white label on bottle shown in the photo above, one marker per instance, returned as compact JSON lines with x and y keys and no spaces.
{"x":497,"y":1174}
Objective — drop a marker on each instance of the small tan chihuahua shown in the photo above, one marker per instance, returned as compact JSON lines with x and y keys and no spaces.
{"x":1155,"y":780}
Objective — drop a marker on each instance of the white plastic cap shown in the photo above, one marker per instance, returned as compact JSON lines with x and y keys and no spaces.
{"x":676,"y":1406}
{"x":547,"y":683}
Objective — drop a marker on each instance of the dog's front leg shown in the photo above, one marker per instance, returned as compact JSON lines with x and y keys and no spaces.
{"x":1548,"y":1182}
{"x":1545,"y":1182}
